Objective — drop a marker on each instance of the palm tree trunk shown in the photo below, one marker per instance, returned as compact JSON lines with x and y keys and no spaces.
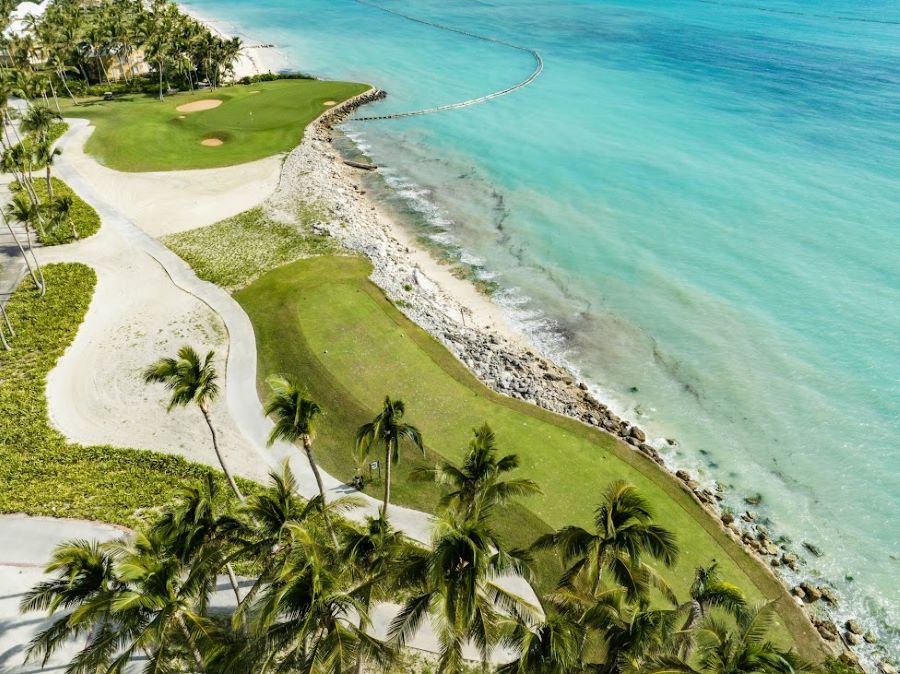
{"x":12,"y":333}
{"x":21,"y":250}
{"x":55,"y":98}
{"x":234,"y":581}
{"x":387,"y":479}
{"x":212,"y":431}
{"x":307,"y":446}
{"x":65,"y":84}
{"x":3,"y":340}
{"x":49,"y":184}
{"x":190,"y":642}
{"x":34,"y":257}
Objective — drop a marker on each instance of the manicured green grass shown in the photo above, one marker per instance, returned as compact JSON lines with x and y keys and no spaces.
{"x":83,"y":215}
{"x":322,"y":321}
{"x":141,"y":133}
{"x":40,"y":472}
{"x":234,"y":252}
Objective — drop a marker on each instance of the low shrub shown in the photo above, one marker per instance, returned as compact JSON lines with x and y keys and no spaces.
{"x":43,"y":474}
{"x":271,"y":77}
{"x":235,"y":252}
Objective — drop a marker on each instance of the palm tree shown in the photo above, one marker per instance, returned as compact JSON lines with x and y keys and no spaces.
{"x":708,"y":591}
{"x":388,"y":429}
{"x":295,"y":419}
{"x":44,"y":154}
{"x":83,"y":574}
{"x":31,"y":271}
{"x":61,"y":211}
{"x":741,"y":647}
{"x":552,"y":646}
{"x":38,"y":120}
{"x":195,"y":526}
{"x":456,"y":582}
{"x":128,"y":597}
{"x":192,"y":380}
{"x":27,"y":213}
{"x":302,"y":618}
{"x":372,"y":555}
{"x":623,"y":532}
{"x":478,"y":484}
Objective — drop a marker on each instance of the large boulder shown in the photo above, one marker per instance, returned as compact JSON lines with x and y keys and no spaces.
{"x":811,"y":591}
{"x":637,"y":434}
{"x":853,"y":627}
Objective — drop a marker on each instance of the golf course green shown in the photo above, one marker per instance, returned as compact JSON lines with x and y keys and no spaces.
{"x":138,"y":132}
{"x":322,"y":321}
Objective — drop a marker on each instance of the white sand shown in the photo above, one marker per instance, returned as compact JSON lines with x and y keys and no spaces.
{"x":96,"y":394}
{"x":165,"y":202}
{"x":200,"y":106}
{"x":254,"y":59}
{"x":212,"y":142}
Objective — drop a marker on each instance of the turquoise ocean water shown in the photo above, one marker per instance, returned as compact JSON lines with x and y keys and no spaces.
{"x":697,"y":205}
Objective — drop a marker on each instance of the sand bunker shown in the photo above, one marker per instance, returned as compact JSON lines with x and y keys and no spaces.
{"x":330,"y":103}
{"x":212,"y":142}
{"x":197,"y":106}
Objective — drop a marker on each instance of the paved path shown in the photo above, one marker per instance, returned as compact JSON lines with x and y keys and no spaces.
{"x":25,"y":546}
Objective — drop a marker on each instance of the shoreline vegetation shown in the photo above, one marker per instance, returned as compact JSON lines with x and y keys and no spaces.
{"x":455,"y":314}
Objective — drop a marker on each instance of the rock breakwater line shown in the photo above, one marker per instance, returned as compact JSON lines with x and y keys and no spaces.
{"x":314,"y":172}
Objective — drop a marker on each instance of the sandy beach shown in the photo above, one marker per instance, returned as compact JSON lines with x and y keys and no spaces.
{"x":256,"y":58}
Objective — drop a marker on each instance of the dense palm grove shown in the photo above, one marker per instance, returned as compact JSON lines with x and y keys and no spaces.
{"x":68,"y":52}
{"x":313,"y":579}
{"x":77,"y":42}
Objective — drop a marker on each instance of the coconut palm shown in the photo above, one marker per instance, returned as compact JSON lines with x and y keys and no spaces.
{"x":478,"y":483}
{"x":83,"y":573}
{"x":372,"y":555}
{"x":61,"y":212}
{"x":44,"y":155}
{"x":192,"y":380}
{"x":295,"y":419}
{"x":305,"y":613}
{"x":195,"y":525}
{"x":27,"y":213}
{"x":31,"y":271}
{"x":741,"y":646}
{"x":388,"y":429}
{"x":553,"y":645}
{"x":708,"y":591}
{"x":624,"y":531}
{"x":38,"y":120}
{"x":456,"y":581}
{"x":130,"y":598}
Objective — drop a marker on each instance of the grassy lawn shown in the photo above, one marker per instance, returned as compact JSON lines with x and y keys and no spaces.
{"x":322,"y":320}
{"x":41,"y":473}
{"x":141,"y":133}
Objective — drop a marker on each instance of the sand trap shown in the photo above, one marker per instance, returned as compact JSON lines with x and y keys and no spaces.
{"x":330,"y":103}
{"x":197,"y":106}
{"x":212,"y":142}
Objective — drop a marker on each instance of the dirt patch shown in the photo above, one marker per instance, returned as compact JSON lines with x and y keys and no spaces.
{"x":198,"y":106}
{"x":212,"y":142}
{"x":330,"y":103}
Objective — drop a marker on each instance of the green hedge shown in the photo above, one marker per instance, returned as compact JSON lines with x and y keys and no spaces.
{"x":235,"y":252}
{"x":41,"y":473}
{"x":84,"y":217}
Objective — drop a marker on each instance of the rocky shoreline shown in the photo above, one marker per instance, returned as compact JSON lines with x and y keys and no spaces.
{"x":314,"y":172}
